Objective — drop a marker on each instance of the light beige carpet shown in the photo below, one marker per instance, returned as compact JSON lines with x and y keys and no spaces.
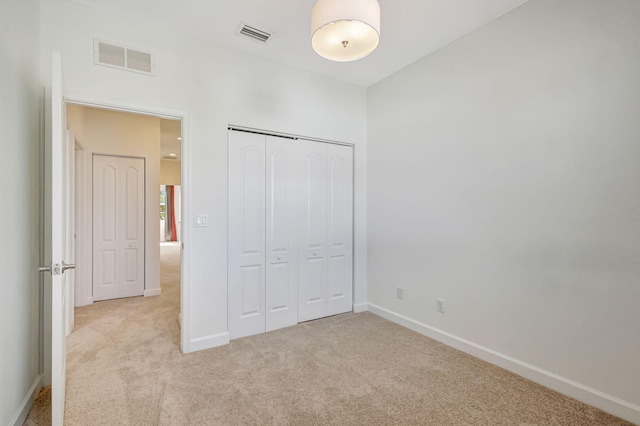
{"x":125,"y":368}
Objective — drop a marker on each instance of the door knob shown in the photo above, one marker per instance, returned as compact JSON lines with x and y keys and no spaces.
{"x":58,"y":268}
{"x":315,"y":253}
{"x":279,"y":257}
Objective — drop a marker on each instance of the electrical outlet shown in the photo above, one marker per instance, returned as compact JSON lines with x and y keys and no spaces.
{"x":400,"y":293}
{"x":440,"y":305}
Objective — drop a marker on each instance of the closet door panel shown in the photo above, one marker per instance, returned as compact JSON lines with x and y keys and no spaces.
{"x":133,"y":176}
{"x":290,"y":232}
{"x":246,"y":240}
{"x":105,"y":227}
{"x":340,"y":229}
{"x":312,"y":232}
{"x":281,"y":244}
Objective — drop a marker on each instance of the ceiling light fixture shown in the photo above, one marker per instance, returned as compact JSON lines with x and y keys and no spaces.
{"x":345,"y":30}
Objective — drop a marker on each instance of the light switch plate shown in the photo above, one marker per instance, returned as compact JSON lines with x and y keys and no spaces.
{"x":202,"y":220}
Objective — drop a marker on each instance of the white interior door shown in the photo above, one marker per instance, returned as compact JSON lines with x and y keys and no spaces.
{"x":246,"y":243}
{"x":340,"y":229}
{"x":312,"y":232}
{"x":282,"y":185}
{"x":325,"y":231}
{"x":55,"y":240}
{"x":290,"y":242}
{"x":118,"y":227}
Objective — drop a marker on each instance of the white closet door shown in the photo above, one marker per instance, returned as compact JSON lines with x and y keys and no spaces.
{"x":118,"y":227}
{"x":281,"y":245}
{"x":340,"y":230}
{"x":246,"y":241}
{"x":325,"y":231}
{"x":312,"y":232}
{"x":290,"y":242}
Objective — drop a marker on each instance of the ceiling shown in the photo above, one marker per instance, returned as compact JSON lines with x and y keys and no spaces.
{"x":410,"y":29}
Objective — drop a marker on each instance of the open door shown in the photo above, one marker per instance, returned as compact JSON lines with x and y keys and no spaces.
{"x":55,"y":241}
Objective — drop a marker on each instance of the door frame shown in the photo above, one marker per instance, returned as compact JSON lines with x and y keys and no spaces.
{"x":81,"y":298}
{"x":170,"y":114}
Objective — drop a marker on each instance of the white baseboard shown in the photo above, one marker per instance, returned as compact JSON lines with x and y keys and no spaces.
{"x":586,"y":394}
{"x":207,"y":342}
{"x":360,"y":307}
{"x":23,"y":410}
{"x":152,"y":292}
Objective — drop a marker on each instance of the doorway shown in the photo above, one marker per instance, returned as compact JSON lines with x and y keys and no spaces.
{"x":115,"y":133}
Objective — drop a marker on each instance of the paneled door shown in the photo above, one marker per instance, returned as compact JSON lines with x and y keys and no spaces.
{"x":290,"y":238}
{"x":263,"y":187}
{"x":312,"y":232}
{"x":246,"y":243}
{"x":118,"y":227}
{"x":282,"y":188}
{"x":55,"y":240}
{"x":339,"y":229}
{"x":325,"y":231}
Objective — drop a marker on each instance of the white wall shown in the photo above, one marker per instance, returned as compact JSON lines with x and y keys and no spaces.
{"x":19,"y":168}
{"x":123,"y":134}
{"x":215,"y":87}
{"x":504,"y":177}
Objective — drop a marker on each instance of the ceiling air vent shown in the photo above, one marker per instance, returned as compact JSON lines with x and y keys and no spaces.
{"x":122,"y":57}
{"x":253,"y":32}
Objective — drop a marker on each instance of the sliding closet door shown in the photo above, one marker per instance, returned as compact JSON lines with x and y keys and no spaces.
{"x":281,"y":251}
{"x":246,"y":242}
{"x":340,"y":229}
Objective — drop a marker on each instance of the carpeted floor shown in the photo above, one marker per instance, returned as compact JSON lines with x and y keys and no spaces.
{"x":125,"y":368}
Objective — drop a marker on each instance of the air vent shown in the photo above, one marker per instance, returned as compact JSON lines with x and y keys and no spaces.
{"x":122,"y":57}
{"x":254,"y":33}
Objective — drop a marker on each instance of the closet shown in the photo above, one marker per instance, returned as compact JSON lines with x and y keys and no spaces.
{"x":290,"y":242}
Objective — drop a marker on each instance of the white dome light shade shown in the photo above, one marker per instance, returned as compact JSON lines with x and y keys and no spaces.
{"x":345,"y":30}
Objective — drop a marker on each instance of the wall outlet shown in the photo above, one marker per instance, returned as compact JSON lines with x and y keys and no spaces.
{"x":400,"y":293}
{"x":440,"y":305}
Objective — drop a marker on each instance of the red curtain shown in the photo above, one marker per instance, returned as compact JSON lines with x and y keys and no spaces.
{"x":172,"y":216}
